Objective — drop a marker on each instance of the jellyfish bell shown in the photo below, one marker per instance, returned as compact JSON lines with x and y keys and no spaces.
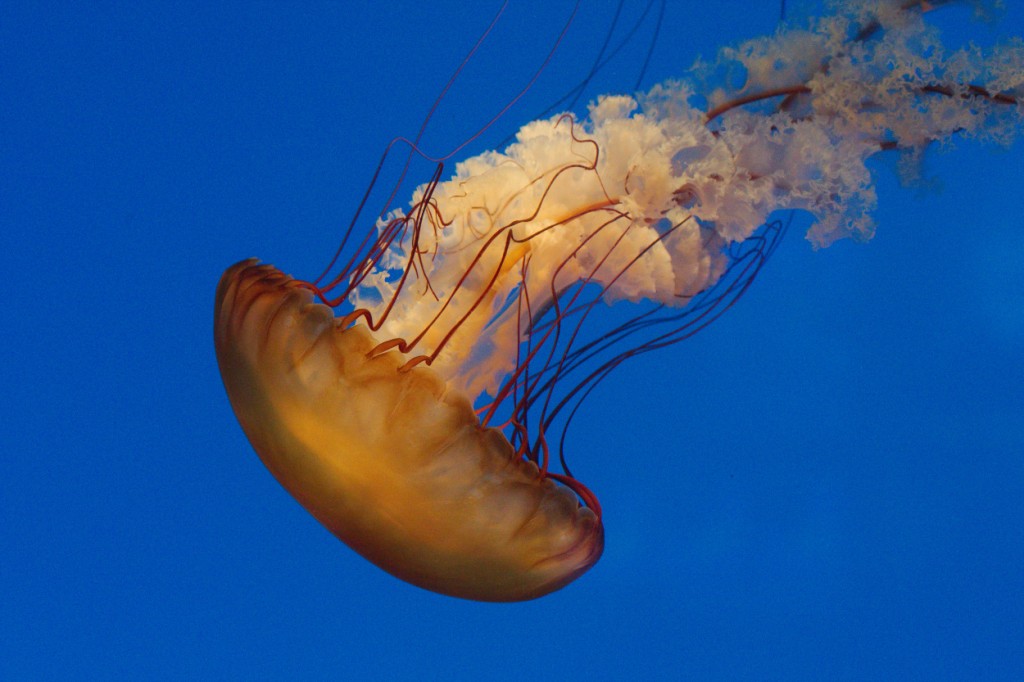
{"x":419,"y":423}
{"x":391,"y":461}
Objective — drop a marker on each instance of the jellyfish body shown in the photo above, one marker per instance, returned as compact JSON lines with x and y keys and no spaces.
{"x":391,"y":462}
{"x":476,"y":296}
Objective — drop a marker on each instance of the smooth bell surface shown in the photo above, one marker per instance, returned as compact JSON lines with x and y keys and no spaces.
{"x":393,"y":463}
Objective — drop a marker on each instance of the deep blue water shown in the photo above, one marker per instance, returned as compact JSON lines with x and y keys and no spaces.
{"x":828,"y":483}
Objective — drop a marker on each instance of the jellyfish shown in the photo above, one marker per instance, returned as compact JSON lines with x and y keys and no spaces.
{"x":415,"y":397}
